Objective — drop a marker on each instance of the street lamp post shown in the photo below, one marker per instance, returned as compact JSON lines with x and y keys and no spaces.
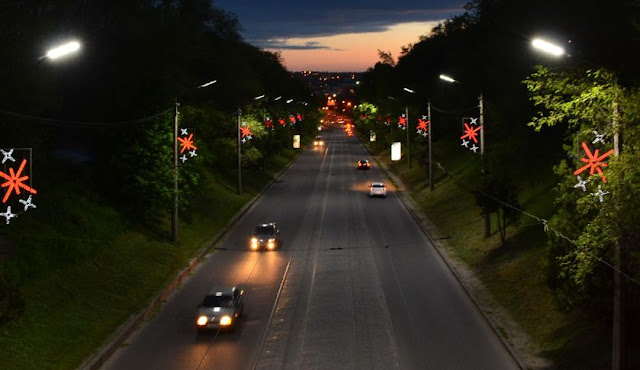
{"x":176,"y":173}
{"x":239,"y":153}
{"x":486,"y":217}
{"x":429,"y":138}
{"x":174,"y":216}
{"x":406,"y":127}
{"x":429,"y":134}
{"x":618,"y":349}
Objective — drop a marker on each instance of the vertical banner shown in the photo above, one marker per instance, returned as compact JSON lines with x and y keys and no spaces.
{"x":396,"y":151}
{"x":296,"y":141}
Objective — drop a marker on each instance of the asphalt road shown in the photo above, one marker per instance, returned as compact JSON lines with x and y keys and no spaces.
{"x":355,"y":285}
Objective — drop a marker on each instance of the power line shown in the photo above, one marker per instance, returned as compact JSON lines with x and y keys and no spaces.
{"x":544,"y":222}
{"x":58,"y":122}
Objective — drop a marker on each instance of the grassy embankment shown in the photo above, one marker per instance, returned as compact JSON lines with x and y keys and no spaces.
{"x":513,"y":273}
{"x":98,"y":270}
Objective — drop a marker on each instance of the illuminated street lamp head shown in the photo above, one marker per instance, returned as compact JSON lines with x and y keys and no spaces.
{"x":207,"y":84}
{"x":548,"y":47}
{"x":259,"y":97}
{"x":277,"y":98}
{"x":61,"y":50}
{"x":447,"y":78}
{"x":289,"y":101}
{"x":408,"y":90}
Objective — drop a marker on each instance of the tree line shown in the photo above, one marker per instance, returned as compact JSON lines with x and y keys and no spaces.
{"x":99,"y":123}
{"x":540,"y":113}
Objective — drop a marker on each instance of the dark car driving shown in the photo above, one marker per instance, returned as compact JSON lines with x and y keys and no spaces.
{"x":220,"y":309}
{"x":265,"y":237}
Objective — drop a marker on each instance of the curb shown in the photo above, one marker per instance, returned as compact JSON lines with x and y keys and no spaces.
{"x":414,"y":214}
{"x":133,"y":323}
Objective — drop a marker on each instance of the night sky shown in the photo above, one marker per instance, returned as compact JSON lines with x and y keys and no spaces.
{"x":334,"y":35}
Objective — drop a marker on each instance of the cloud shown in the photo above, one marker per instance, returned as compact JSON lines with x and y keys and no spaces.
{"x":263,"y":21}
{"x":291,"y":45}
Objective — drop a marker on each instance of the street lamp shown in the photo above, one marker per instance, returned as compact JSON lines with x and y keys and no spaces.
{"x":428,"y":134}
{"x":447,"y":78}
{"x":207,"y":84}
{"x":618,"y":349}
{"x":406,"y":127}
{"x":548,"y":47}
{"x":481,"y":107}
{"x":239,"y":145}
{"x":176,"y":173}
{"x":61,"y":50}
{"x":485,"y":216}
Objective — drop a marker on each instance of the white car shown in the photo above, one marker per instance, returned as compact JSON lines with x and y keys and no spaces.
{"x":377,"y":189}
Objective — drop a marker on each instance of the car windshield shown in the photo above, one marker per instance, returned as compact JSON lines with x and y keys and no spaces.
{"x":377,"y":185}
{"x":263,"y":230}
{"x":224,"y":301}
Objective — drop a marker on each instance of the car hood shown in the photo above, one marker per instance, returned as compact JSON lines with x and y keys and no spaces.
{"x":215,"y":311}
{"x":263,"y":237}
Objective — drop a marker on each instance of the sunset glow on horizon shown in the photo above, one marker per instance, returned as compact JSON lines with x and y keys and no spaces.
{"x":352,"y":52}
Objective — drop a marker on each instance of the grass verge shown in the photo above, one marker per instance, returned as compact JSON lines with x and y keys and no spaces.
{"x":112,"y":271}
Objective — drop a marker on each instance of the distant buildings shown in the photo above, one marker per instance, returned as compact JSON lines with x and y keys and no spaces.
{"x":336,"y":89}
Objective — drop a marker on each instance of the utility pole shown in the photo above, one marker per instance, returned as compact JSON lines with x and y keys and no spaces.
{"x":429,"y":134}
{"x":174,"y":216}
{"x":239,"y":154}
{"x":486,"y":216}
{"x":481,"y":106}
{"x":619,"y":345}
{"x":406,"y":127}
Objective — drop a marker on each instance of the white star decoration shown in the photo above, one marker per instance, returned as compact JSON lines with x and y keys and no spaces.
{"x":193,"y":153}
{"x":599,"y":137}
{"x":581,"y":184}
{"x":474,"y":148}
{"x":419,"y":132}
{"x":8,"y":215}
{"x":7,"y":156}
{"x":184,"y":131}
{"x":465,"y":143}
{"x":184,"y":158}
{"x":474,"y":120}
{"x":27,"y":203}
{"x":600,"y":194}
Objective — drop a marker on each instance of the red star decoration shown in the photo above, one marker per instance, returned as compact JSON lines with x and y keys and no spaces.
{"x":245,"y":131}
{"x":402,"y":120}
{"x":282,"y":122}
{"x":15,"y":182}
{"x":471,"y":133}
{"x":186,"y":143}
{"x":268,"y":123}
{"x":593,"y":162}
{"x":292,"y":118}
{"x":300,"y":117}
{"x":422,"y":124}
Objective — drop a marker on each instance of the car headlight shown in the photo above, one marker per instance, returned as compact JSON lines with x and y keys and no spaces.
{"x":225,"y":320}
{"x":202,"y":320}
{"x":271,"y":243}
